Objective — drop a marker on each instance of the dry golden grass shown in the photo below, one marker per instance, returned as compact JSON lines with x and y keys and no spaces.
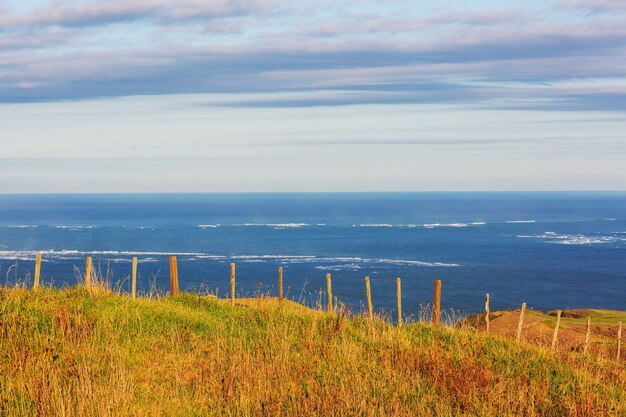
{"x":538,"y":329}
{"x":71,"y":353}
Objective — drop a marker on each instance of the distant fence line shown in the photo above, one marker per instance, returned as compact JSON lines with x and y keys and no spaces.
{"x":90,"y":282}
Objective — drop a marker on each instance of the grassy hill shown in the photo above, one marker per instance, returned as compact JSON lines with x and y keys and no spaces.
{"x":69,"y":353}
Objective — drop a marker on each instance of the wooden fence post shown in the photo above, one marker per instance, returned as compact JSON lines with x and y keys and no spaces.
{"x":587,"y":335}
{"x":37,"y":271}
{"x":555,"y":335}
{"x":399,"y":297}
{"x":368,"y":291}
{"x":521,"y":322}
{"x":437,"y":303}
{"x":88,"y":268}
{"x":619,"y":340}
{"x":329,"y":290}
{"x":232,"y":284}
{"x":173,"y":276}
{"x":134,"y":278}
{"x":171,"y":272}
{"x":280,"y":283}
{"x":487,"y":311}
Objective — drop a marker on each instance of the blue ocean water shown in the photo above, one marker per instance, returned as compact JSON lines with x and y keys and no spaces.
{"x":550,"y":250}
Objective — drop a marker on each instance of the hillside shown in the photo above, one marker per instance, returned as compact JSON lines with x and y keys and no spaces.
{"x":66,"y":352}
{"x":538,"y":329}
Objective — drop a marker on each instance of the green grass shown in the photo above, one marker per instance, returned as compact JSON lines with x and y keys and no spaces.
{"x":598,"y":317}
{"x":71,"y":353}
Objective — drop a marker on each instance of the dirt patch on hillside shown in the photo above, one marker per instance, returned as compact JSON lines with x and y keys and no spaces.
{"x":538,"y":329}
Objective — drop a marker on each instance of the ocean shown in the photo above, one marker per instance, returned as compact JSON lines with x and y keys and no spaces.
{"x":551,"y":250}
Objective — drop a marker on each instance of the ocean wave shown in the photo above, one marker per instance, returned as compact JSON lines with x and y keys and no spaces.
{"x":425,"y":225}
{"x":281,"y":225}
{"x":377,"y":225}
{"x":433,"y":225}
{"x":357,"y":260}
{"x":74,"y":227}
{"x":584,"y":240}
{"x":418,"y":263}
{"x":21,"y":226}
{"x":342,"y":267}
{"x":572,"y":239}
{"x":519,"y":221}
{"x":273,"y":257}
{"x":149,"y":256}
{"x":72,"y":253}
{"x":208,"y":226}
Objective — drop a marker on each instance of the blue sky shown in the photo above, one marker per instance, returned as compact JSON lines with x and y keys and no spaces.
{"x":264,"y":95}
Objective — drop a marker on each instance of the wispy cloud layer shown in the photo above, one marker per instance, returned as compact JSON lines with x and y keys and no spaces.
{"x":358,"y":52}
{"x":103,"y":12}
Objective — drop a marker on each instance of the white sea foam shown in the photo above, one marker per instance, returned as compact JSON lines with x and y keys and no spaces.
{"x":342,"y":267}
{"x":585,"y":240}
{"x":74,"y":227}
{"x":282,"y":225}
{"x":376,"y":225}
{"x":72,"y":253}
{"x":21,"y":226}
{"x":433,"y":225}
{"x":418,"y":263}
{"x":571,"y":239}
{"x":426,"y":225}
{"x":272,"y":257}
{"x":359,"y":260}
{"x":519,"y":221}
{"x":208,"y":226}
{"x":116,"y":256}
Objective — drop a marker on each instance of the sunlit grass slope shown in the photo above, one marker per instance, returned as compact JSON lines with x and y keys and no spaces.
{"x":68,"y":353}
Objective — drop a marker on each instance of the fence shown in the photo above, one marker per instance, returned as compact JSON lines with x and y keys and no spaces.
{"x":91,"y":283}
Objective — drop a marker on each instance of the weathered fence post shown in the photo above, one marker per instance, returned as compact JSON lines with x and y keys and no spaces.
{"x":437,"y":303}
{"x":329,"y":290}
{"x":280,"y":283}
{"x":521,"y":322}
{"x":88,"y":268}
{"x":399,"y":297}
{"x":587,"y":335}
{"x":368,"y":292}
{"x":555,"y":335}
{"x":619,"y":340}
{"x":37,"y":271}
{"x":232,"y":284}
{"x":171,"y":272}
{"x":173,"y":276}
{"x":487,"y":311}
{"x":133,"y":290}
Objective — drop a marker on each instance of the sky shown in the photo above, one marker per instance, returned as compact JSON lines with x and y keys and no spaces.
{"x":341,"y":95}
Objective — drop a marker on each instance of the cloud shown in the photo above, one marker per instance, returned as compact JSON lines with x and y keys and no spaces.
{"x":359,"y":52}
{"x":71,"y":13}
{"x":598,"y":6}
{"x":482,"y":17}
